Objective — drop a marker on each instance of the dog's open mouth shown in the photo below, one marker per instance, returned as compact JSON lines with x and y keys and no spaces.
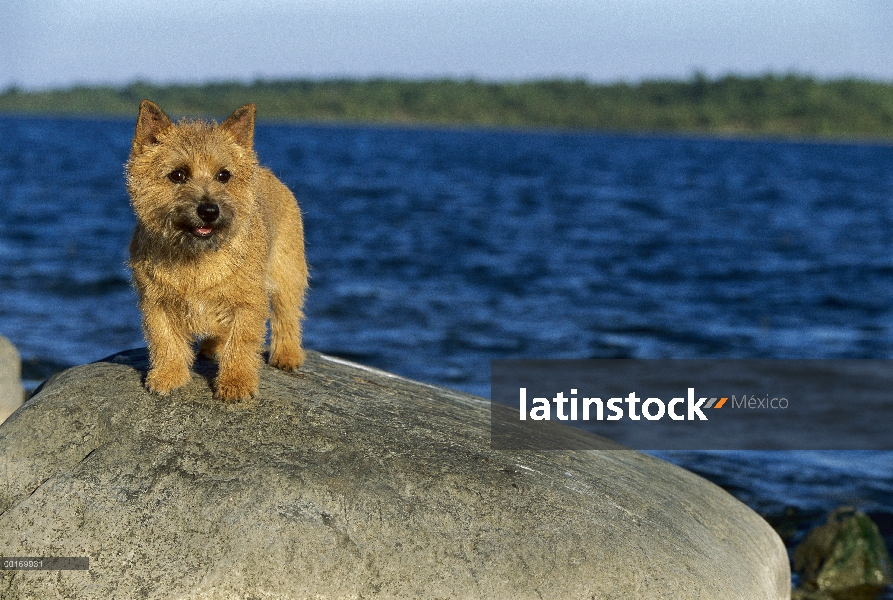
{"x":203,"y":231}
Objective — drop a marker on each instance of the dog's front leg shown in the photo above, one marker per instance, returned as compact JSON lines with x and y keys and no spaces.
{"x":239,"y":357}
{"x":170,"y":351}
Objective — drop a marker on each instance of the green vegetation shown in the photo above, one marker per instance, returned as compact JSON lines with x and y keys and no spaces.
{"x":772,"y":105}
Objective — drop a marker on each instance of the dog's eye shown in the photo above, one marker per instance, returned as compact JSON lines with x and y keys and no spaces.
{"x":223,"y":176}
{"x":177,"y":176}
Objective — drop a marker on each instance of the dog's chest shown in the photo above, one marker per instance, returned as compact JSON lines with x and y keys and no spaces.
{"x":205,"y":317}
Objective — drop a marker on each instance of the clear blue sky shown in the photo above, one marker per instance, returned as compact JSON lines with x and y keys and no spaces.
{"x":48,"y":43}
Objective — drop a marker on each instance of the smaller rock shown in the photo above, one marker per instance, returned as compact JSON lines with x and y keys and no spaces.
{"x":845,"y":557}
{"x":11,"y":394}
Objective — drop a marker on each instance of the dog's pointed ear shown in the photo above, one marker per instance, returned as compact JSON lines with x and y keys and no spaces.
{"x":149,"y":124}
{"x":241,"y":125}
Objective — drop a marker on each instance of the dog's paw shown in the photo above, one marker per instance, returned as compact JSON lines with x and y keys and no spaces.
{"x":287,"y":360}
{"x":163,"y":382}
{"x":236,"y":389}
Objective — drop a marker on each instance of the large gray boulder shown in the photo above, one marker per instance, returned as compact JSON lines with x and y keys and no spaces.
{"x":10,"y":379}
{"x":346,"y":482}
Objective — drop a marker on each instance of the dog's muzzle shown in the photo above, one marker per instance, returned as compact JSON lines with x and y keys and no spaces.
{"x":208,"y":212}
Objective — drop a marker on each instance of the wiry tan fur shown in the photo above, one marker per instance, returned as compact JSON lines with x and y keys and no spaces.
{"x":218,"y":289}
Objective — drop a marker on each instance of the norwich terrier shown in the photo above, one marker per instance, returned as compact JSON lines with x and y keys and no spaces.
{"x":218,"y":240}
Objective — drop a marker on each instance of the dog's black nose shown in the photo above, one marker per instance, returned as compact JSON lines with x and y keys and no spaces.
{"x":208,"y":212}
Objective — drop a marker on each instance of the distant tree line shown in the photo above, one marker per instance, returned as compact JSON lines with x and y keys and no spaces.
{"x":788,"y":105}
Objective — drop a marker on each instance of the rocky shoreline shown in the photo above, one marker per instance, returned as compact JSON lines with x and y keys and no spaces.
{"x":341,"y":481}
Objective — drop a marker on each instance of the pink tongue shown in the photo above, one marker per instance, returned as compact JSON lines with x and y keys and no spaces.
{"x":203,"y":230}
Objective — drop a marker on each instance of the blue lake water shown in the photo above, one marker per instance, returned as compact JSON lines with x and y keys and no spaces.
{"x":435,"y":251}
